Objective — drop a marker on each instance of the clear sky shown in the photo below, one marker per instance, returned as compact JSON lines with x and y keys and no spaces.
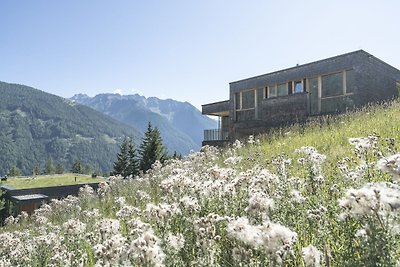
{"x":186,"y":50}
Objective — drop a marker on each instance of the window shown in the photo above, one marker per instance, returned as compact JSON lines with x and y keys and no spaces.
{"x":272,"y":91}
{"x":245,"y":104}
{"x":332,"y":84}
{"x":350,"y":81}
{"x":282,"y":89}
{"x":298,"y":87}
{"x":290,"y":88}
{"x":237,"y":101}
{"x":248,"y":98}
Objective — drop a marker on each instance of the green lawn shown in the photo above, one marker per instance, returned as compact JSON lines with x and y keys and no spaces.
{"x":49,"y":180}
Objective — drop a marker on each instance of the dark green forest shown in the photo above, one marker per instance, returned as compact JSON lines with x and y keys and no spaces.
{"x":36,"y":126}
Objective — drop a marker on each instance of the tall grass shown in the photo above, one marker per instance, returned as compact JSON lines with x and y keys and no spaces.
{"x":300,"y":196}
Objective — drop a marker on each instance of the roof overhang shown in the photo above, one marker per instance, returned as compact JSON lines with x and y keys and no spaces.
{"x":29,"y":197}
{"x":216,"y":109}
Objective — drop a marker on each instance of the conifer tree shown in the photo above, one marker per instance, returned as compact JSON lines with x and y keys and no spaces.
{"x":49,"y":167}
{"x":14,"y":171}
{"x":35,"y":170}
{"x":127,"y":163}
{"x":59,"y":169}
{"x":151,"y":149}
{"x":76,"y":167}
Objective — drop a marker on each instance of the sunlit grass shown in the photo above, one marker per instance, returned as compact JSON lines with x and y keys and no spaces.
{"x":50,"y":180}
{"x":330,"y":134}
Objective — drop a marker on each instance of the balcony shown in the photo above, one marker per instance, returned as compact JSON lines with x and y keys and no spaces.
{"x":215,"y":137}
{"x":217,"y":109}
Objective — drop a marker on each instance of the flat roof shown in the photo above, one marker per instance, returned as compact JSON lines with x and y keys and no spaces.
{"x":317,"y":61}
{"x":30,"y":197}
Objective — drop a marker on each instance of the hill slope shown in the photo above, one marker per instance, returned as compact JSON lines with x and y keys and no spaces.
{"x":35,"y":126}
{"x":181,"y":124}
{"x":277,"y":202}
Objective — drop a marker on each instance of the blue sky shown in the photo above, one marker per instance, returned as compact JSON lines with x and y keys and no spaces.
{"x":185,"y":50}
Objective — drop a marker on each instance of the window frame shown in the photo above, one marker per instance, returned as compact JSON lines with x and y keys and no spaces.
{"x":241,"y":104}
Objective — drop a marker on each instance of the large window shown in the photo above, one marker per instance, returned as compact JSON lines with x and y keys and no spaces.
{"x":248,"y":98}
{"x":245,"y":104}
{"x":332,"y":84}
{"x":298,"y":88}
{"x":282,"y":89}
{"x":272,"y":91}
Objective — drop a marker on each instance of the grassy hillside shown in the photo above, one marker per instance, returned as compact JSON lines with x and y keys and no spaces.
{"x":330,"y":134}
{"x":325,"y":194}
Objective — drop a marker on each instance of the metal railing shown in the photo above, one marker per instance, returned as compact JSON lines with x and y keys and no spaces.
{"x":215,"y":134}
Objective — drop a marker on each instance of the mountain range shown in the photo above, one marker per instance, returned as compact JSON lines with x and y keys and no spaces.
{"x":181,"y":125}
{"x":36,"y":126}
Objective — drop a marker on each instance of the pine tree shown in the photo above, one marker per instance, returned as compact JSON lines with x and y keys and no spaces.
{"x":59,"y":169}
{"x":151,"y":149}
{"x":127,"y":161}
{"x":49,"y":167}
{"x":14,"y":171}
{"x":76,"y":167}
{"x":35,"y":170}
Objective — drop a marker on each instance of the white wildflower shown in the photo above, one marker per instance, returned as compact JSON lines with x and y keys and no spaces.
{"x":311,"y":256}
{"x":312,"y":154}
{"x":361,"y":233}
{"x":108,"y":227}
{"x":297,"y":197}
{"x":86,"y":191}
{"x":259,"y":202}
{"x":146,"y":248}
{"x":190,"y":203}
{"x":126,"y":212}
{"x":251,"y":140}
{"x":372,"y":198}
{"x":9,"y":220}
{"x":233,"y":160}
{"x":391,"y":165}
{"x":241,"y":230}
{"x":363,"y":143}
{"x":237,"y":144}
{"x":176,"y":241}
{"x":120,"y":201}
{"x":162,"y":210}
{"x":271,"y":237}
{"x":74,"y":227}
{"x":111,"y":250}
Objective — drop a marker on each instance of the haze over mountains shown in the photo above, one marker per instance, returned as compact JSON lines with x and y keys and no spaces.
{"x":180,"y":123}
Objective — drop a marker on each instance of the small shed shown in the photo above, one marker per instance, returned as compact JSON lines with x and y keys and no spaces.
{"x":28,"y":203}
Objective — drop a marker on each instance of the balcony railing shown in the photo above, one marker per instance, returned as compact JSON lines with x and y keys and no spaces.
{"x":215,"y":134}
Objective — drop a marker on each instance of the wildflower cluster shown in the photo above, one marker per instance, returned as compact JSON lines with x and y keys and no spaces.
{"x":222,"y":208}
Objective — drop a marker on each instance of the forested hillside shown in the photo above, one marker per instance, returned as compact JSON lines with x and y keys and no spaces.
{"x":36,"y":126}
